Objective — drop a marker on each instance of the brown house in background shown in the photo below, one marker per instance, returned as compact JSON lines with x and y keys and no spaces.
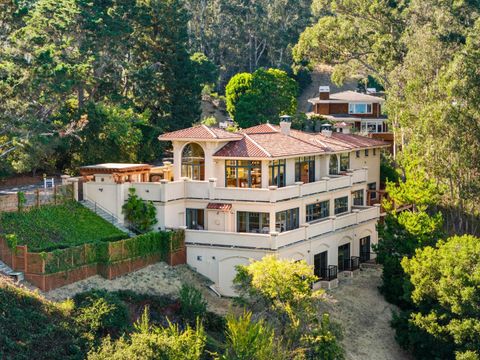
{"x":350,"y":109}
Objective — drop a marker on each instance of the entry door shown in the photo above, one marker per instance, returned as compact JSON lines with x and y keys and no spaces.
{"x":343,"y":256}
{"x":365,"y":249}
{"x":320,"y":263}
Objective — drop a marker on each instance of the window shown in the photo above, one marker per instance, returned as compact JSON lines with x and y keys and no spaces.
{"x":344,"y":161}
{"x":341,"y":205}
{"x":366,"y":152}
{"x":243,"y":173}
{"x":359,"y":108}
{"x":372,"y":126}
{"x":195,"y":219}
{"x":193,"y":162}
{"x":358,"y":198}
{"x":357,"y":153}
{"x":305,"y":169}
{"x":333,"y":166}
{"x":286,"y":220}
{"x":253,"y":222}
{"x":277,"y":172}
{"x":373,"y":188}
{"x":374,"y":152}
{"x":318,"y":210}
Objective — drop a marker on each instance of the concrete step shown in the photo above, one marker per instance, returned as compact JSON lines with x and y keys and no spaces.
{"x":6,"y":270}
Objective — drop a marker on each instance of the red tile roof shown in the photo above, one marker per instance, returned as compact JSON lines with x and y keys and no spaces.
{"x":219,"y":206}
{"x":245,"y":148}
{"x":200,"y":132}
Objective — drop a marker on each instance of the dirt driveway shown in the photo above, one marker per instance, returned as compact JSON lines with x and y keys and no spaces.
{"x":365,"y":318}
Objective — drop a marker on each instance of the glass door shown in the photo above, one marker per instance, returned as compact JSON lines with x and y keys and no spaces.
{"x":320,"y":264}
{"x":365,"y":249}
{"x":343,"y":257}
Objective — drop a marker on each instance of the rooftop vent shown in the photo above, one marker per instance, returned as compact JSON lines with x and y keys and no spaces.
{"x":326,"y":130}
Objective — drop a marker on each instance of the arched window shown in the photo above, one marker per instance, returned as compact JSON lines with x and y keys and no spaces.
{"x":193,"y":162}
{"x":333,"y":167}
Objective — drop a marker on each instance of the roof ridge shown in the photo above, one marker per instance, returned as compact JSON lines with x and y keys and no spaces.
{"x":210,"y":131}
{"x":271,"y":127}
{"x":258,"y":145}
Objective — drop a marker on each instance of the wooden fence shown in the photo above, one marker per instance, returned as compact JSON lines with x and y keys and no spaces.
{"x":54,"y":269}
{"x":35,"y":198}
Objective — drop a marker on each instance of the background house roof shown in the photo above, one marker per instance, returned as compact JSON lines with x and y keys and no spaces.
{"x":348,"y":96}
{"x":199,"y":132}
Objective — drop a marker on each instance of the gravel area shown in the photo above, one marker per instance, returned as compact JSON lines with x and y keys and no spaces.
{"x":156,"y":279}
{"x":365,"y":318}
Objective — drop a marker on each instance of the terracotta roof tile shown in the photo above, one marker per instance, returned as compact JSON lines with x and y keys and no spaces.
{"x":199,"y":132}
{"x":260,"y":129}
{"x":244,"y":148}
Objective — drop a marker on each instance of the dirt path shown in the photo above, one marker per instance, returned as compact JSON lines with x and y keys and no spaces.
{"x":365,"y":318}
{"x":156,"y":279}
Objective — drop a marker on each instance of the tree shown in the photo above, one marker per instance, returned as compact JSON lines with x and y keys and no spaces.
{"x":248,"y":339}
{"x":261,"y":97}
{"x":150,"y":342}
{"x":446,"y":289}
{"x":280,"y":290}
{"x":140,"y":214}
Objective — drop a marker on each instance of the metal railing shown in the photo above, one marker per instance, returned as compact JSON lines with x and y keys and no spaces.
{"x":351,"y":264}
{"x":111,"y":217}
{"x":329,"y":273}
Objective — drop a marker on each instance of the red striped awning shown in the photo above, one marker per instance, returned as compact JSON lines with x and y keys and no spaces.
{"x":219,"y":206}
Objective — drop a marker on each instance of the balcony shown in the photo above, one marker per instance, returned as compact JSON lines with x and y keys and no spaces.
{"x":275,"y":240}
{"x":165,"y":191}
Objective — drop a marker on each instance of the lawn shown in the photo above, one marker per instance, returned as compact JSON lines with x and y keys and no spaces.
{"x":57,"y":226}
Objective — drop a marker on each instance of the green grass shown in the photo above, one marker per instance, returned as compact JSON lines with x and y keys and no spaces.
{"x":57,"y":227}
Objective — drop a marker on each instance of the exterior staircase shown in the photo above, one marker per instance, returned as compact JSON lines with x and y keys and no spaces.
{"x":7,"y":271}
{"x":107,"y":216}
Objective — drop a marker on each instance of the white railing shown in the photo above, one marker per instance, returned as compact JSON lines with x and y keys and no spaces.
{"x":197,"y":189}
{"x":222,"y":193}
{"x":173,"y":190}
{"x":287,"y":192}
{"x":339,"y":182}
{"x":277,"y":240}
{"x":359,"y":175}
{"x":313,"y":188}
{"x":250,"y":240}
{"x":346,"y":220}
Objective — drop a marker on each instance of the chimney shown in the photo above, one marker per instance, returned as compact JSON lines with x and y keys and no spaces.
{"x":324,"y":92}
{"x":285,"y":124}
{"x":371,"y":91}
{"x":327,"y":130}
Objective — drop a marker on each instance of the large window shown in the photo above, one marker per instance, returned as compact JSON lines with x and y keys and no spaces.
{"x":276,"y":170}
{"x":341,"y":205}
{"x":193,"y":162}
{"x":360,"y":108}
{"x":333,"y":165}
{"x":195,"y":219}
{"x":243,"y":173}
{"x":305,"y":169}
{"x":286,"y":220}
{"x":253,"y":222}
{"x":344,"y":161}
{"x":358,"y":198}
{"x":318,"y":211}
{"x":372,"y":126}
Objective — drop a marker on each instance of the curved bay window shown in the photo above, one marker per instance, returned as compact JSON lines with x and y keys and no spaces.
{"x":276,"y":170}
{"x":193,"y":162}
{"x":305,"y":169}
{"x":243,"y":173}
{"x":333,"y":165}
{"x":344,"y":161}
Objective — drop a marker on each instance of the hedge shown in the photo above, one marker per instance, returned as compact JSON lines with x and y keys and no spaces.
{"x":153,"y":243}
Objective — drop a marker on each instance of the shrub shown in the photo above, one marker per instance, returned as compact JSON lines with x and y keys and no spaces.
{"x":99,"y":313}
{"x":150,"y":343}
{"x":142,"y":215}
{"x":192,"y":303}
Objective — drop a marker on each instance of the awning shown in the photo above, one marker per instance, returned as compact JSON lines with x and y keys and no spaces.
{"x":219,"y":206}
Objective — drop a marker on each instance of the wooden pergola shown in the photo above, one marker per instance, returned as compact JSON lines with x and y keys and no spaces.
{"x":120,"y":172}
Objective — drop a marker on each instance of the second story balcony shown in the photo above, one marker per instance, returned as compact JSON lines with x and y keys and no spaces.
{"x":165,"y":190}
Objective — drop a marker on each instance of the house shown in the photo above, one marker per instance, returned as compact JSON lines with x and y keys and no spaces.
{"x":267,"y":189}
{"x":362,"y":112}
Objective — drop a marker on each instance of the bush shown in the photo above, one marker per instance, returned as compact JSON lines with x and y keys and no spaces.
{"x":142,"y":215}
{"x":99,"y":313}
{"x":151,"y":343}
{"x":192,"y":304}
